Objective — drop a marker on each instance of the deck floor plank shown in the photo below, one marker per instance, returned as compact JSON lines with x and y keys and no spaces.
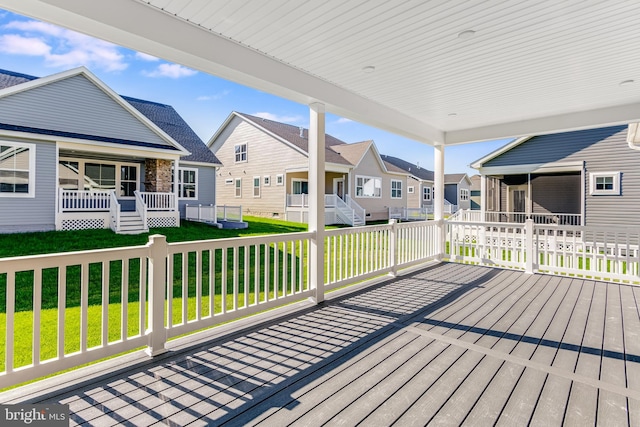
{"x":451,"y":344}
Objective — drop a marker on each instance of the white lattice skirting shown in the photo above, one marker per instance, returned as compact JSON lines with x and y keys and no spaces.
{"x":82,"y":224}
{"x":162,"y":222}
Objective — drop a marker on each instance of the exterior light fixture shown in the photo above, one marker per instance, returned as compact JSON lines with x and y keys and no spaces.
{"x":466,"y":34}
{"x":368,"y":69}
{"x":627,"y":82}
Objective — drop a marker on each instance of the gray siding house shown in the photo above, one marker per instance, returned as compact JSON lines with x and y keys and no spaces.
{"x":457,"y":190}
{"x":580,"y":177}
{"x":75,"y":155}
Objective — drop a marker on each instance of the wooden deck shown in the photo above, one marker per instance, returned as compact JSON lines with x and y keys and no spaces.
{"x":452,"y":344}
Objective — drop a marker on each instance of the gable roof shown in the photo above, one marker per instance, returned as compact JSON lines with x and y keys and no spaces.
{"x":168,"y":119}
{"x":354,"y":152}
{"x":162,"y":116}
{"x":455,"y":178}
{"x":410,"y":168}
{"x":288,"y":134}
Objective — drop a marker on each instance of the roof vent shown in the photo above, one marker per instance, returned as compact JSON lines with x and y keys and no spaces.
{"x":418,"y":165}
{"x":301,"y":132}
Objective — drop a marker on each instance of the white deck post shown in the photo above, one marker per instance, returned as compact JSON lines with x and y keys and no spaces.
{"x":157,"y":284}
{"x":438,"y":203}
{"x":393,"y":248}
{"x":528,"y":246}
{"x":316,"y":199}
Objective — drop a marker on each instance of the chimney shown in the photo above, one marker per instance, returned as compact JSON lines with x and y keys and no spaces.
{"x":301,"y":132}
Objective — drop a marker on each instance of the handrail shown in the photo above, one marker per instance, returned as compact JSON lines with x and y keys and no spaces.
{"x":114,"y":211}
{"x":358,"y":210}
{"x":141,"y":209}
{"x":159,"y":201}
{"x":83,"y":201}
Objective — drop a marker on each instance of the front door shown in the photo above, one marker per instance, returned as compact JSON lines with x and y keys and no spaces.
{"x":518,"y":201}
{"x":338,"y":187}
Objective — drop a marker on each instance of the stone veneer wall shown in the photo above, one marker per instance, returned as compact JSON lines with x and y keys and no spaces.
{"x":157,"y":175}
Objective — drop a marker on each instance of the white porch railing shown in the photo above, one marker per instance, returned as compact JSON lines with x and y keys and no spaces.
{"x":161,"y":290}
{"x":358,"y":211}
{"x":159,"y":201}
{"x":142,"y":208}
{"x":206,"y":213}
{"x":519,"y":217}
{"x":298,"y":200}
{"x":83,"y":201}
{"x":408,"y":214}
{"x":610,"y":253}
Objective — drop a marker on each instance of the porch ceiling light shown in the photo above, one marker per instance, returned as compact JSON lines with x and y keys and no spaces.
{"x":466,"y":34}
{"x":368,"y":69}
{"x":452,"y":114}
{"x":627,"y":82}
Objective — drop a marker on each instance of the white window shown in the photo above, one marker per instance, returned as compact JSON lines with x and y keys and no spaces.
{"x":240,"y":153}
{"x":238,"y":187}
{"x":228,"y":181}
{"x":299,"y":186}
{"x":280,"y":179}
{"x":464,"y":194}
{"x":426,"y":194}
{"x":410,"y":189}
{"x":256,"y":186}
{"x":605,"y":183}
{"x":396,"y":189}
{"x":187,"y":183}
{"x":266,"y":180}
{"x":368,"y":186}
{"x":94,"y":175}
{"x":17,"y":169}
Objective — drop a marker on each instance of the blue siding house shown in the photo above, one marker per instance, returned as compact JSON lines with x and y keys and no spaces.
{"x":75,"y":155}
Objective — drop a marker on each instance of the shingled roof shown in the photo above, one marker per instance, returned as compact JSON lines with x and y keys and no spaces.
{"x":292,"y":134}
{"x":162,"y":115}
{"x":408,"y":167}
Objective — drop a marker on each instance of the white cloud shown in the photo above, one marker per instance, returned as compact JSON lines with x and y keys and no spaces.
{"x":146,"y":57}
{"x":174,"y":71}
{"x":342,"y":120}
{"x":277,"y":118}
{"x":214,"y":97}
{"x":59,"y":47}
{"x":19,"y":45}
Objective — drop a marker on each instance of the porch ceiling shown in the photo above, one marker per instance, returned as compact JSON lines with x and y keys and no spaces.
{"x":530,"y":67}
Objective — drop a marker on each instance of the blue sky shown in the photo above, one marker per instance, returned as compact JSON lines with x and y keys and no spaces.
{"x":204,"y":101}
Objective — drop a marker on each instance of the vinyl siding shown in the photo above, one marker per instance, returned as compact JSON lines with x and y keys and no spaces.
{"x":451,"y":193}
{"x":377,"y":208}
{"x":206,"y":188}
{"x":74,"y":105}
{"x":414,"y":200}
{"x":266,"y":155}
{"x":37,"y":213}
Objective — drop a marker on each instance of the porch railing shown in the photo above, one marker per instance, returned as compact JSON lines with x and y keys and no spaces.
{"x":605,"y":253}
{"x":105,"y":302}
{"x":142,"y":208}
{"x":358,"y":211}
{"x":159,"y":201}
{"x":229,"y":213}
{"x":298,"y":200}
{"x":83,"y":201}
{"x":520,"y":217}
{"x":408,"y":214}
{"x":114,"y":211}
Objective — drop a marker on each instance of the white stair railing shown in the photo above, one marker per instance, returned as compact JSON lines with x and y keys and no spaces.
{"x":141,"y":209}
{"x":358,"y":210}
{"x":114,"y":211}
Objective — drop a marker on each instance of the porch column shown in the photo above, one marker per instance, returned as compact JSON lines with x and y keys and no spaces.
{"x":438,"y":182}
{"x":316,"y":198}
{"x":483,"y":197}
{"x":438,"y":195}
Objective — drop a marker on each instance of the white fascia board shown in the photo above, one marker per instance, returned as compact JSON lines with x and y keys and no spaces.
{"x":204,"y":164}
{"x":600,"y":117}
{"x":138,"y":26}
{"x":88,"y":146}
{"x":214,"y":138}
{"x":328,"y":167}
{"x":533,"y":168}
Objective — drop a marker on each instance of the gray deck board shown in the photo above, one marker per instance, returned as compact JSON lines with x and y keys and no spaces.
{"x":449,"y":345}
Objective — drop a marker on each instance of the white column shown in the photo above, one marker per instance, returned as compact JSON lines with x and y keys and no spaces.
{"x":157,"y":285}
{"x":316,"y":199}
{"x":438,"y":193}
{"x":438,"y":182}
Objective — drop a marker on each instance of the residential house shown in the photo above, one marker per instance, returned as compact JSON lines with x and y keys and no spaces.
{"x":266,"y":171}
{"x":457,"y":191}
{"x":419,"y":182}
{"x":565,"y":178}
{"x":76,"y":155}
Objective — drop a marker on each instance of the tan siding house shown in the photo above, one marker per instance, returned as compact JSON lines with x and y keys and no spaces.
{"x":265,"y":169}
